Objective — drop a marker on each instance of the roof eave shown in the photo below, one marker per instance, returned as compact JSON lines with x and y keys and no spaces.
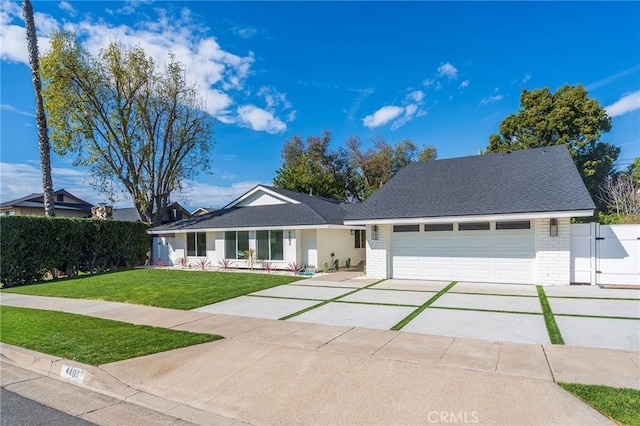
{"x":472,"y":218}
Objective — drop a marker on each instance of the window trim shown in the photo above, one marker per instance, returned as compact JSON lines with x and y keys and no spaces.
{"x":438,"y":227}
{"x":406,"y":228}
{"x":196,"y":246}
{"x":474,"y":226}
{"x":510,"y":225}
{"x":359,"y":239}
{"x":271,"y":238}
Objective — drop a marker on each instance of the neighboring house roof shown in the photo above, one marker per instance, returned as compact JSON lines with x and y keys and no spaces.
{"x":304,"y":210}
{"x":534,"y":180}
{"x":130,"y":214}
{"x":127,"y":214}
{"x":36,"y":200}
{"x":202,"y":210}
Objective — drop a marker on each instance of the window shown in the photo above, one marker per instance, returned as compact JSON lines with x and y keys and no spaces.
{"x":521,"y":224}
{"x":360,"y":238}
{"x":438,"y":227}
{"x":197,"y":244}
{"x":474,"y":226}
{"x":406,"y":228}
{"x":59,"y":198}
{"x":235,"y":244}
{"x":270,"y":245}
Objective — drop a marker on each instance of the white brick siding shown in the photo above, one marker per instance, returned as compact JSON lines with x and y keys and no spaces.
{"x":553,"y":254}
{"x":377,"y":250}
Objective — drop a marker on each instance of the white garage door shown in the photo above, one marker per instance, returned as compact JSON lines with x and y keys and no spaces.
{"x":478,"y":252}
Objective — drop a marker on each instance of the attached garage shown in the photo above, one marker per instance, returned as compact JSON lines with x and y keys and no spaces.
{"x":494,"y":252}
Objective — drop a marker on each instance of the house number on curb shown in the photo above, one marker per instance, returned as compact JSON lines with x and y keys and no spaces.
{"x":72,"y":373}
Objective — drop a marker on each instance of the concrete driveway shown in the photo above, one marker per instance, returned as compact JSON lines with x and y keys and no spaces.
{"x":585,"y":316}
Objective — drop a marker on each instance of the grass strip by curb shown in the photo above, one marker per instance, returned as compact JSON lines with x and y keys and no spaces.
{"x":552,"y":327}
{"x":424,"y":306}
{"x":618,"y":404}
{"x":300,"y":312}
{"x":89,"y":340}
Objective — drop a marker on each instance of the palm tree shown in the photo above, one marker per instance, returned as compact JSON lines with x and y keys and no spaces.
{"x":41,"y":119}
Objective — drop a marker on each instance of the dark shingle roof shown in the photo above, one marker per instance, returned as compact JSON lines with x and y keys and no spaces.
{"x":312,"y":210}
{"x":36,"y":200}
{"x":534,"y":180}
{"x":127,"y":214}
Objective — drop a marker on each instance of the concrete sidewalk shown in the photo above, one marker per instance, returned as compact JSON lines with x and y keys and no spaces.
{"x":270,"y":371}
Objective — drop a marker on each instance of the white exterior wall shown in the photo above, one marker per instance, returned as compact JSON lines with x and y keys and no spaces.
{"x":553,"y":254}
{"x":309,"y":248}
{"x":377,"y":252}
{"x":339,"y":242}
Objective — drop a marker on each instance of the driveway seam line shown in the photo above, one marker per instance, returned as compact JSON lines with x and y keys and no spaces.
{"x":492,"y":294}
{"x":320,"y":286}
{"x":498,"y":359}
{"x":598,"y":316}
{"x":406,"y":320}
{"x":358,"y":302}
{"x":546,"y":358}
{"x":338,"y":336}
{"x":325,"y":302}
{"x":447,"y":349}
{"x":282,"y":297}
{"x":632,"y":299}
{"x":485,"y":310}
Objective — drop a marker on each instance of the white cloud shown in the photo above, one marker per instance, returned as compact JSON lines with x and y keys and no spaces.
{"x":491,"y":99}
{"x":627,"y":103}
{"x":219,"y":74}
{"x":245,"y":32}
{"x":67,"y":7}
{"x":202,"y":194}
{"x":448,"y":70}
{"x":428,"y":82}
{"x":382,"y":116}
{"x":527,"y":77}
{"x":260,"y":120}
{"x":357,"y":102}
{"x":20,"y":179}
{"x":416,"y":95}
{"x":11,"y":108}
{"x":464,"y":84}
{"x":409,"y":113}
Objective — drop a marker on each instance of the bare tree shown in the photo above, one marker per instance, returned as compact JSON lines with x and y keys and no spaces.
{"x":621,"y":195}
{"x":41,"y":119}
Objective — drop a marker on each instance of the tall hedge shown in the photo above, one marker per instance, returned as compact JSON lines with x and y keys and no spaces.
{"x":31,"y":247}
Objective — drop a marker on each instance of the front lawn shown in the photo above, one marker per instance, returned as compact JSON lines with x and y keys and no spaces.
{"x":88,"y":340}
{"x":157,"y":287}
{"x":622,"y":405}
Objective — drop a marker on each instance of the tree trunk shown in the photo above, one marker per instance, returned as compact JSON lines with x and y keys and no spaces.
{"x":41,"y":120}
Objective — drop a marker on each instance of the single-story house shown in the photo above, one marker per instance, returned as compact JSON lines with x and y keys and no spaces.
{"x":281,"y":226}
{"x":64,"y":203}
{"x":497,"y":218}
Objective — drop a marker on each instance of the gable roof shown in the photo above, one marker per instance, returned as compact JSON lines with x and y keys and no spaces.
{"x":534,"y":180}
{"x":305,"y":210}
{"x":36,"y":200}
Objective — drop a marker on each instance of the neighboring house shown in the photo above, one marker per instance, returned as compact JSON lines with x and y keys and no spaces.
{"x":202,"y":210}
{"x":173,"y":213}
{"x":65,"y":204}
{"x":498,"y":218}
{"x":281,"y":226}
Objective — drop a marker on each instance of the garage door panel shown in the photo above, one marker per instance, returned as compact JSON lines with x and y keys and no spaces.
{"x":480,"y":256}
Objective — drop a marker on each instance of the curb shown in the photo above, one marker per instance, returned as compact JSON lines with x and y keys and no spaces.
{"x":97,"y":380}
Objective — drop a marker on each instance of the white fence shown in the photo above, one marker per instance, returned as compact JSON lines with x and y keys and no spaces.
{"x":605,"y":254}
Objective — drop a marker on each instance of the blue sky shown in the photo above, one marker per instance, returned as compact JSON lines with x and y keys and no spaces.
{"x":442,"y":74}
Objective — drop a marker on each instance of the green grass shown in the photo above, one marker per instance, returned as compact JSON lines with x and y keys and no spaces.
{"x":88,"y":340}
{"x":157,"y":287}
{"x":622,"y":405}
{"x":424,"y":306}
{"x":552,"y":327}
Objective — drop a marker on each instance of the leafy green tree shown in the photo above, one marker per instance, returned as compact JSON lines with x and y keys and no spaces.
{"x":127,"y":120}
{"x":379,"y":163}
{"x":41,"y":119}
{"x":312,"y":167}
{"x":567,"y":117}
{"x":634,"y":170}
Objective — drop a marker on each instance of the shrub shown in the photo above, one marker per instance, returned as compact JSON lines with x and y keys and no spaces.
{"x":267,"y":266}
{"x":347,"y":263}
{"x":325,"y":267}
{"x":336,"y":264}
{"x":225,"y":264}
{"x":33,"y":247}
{"x":294,"y":268}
